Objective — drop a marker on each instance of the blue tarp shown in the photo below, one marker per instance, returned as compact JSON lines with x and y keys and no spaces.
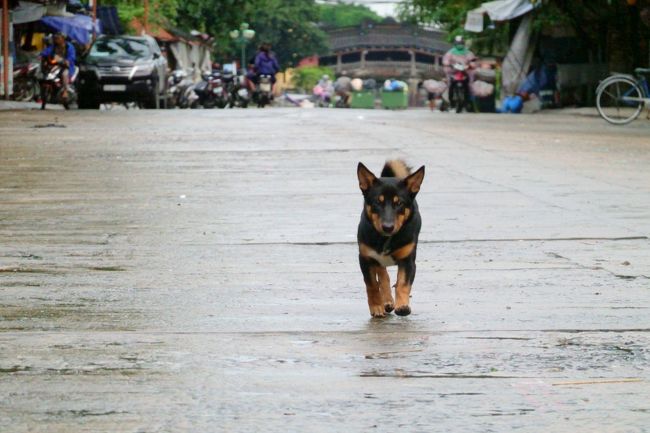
{"x":110,"y":20}
{"x":78,"y":27}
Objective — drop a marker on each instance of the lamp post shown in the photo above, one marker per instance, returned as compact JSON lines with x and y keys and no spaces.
{"x":242,"y":36}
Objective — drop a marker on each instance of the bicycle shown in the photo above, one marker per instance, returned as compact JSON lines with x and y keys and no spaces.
{"x":620,"y":98}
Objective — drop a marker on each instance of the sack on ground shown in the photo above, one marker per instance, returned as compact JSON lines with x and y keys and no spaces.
{"x":434,"y":86}
{"x":482,"y":89}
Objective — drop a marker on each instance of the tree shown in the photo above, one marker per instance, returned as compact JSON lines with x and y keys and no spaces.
{"x":160,"y":11}
{"x":289,"y":25}
{"x":346,"y":15}
{"x":611,"y":28}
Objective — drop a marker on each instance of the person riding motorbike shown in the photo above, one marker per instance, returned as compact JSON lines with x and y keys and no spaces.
{"x":459,"y":54}
{"x":324,"y":90}
{"x":266,"y":63}
{"x":66,"y":52}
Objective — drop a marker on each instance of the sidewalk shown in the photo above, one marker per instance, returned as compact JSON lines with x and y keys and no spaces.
{"x":18,"y":105}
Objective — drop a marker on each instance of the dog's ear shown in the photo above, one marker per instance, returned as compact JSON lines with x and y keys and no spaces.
{"x":366,"y":178}
{"x":413,"y":181}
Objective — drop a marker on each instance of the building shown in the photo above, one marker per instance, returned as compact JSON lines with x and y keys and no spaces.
{"x":386,"y":50}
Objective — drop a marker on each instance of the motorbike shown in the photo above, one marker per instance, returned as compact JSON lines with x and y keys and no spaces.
{"x":263,"y":93}
{"x":238,"y":91}
{"x":52,"y":86}
{"x":26,"y":82}
{"x":323,"y":95}
{"x":211,"y":90}
{"x":180,"y":91}
{"x":459,"y":87}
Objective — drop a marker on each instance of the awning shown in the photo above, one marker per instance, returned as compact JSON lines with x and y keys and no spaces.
{"x":77,"y":27}
{"x":499,"y":10}
{"x":26,"y":12}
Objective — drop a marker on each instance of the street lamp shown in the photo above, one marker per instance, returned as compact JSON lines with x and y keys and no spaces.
{"x":242,"y":37}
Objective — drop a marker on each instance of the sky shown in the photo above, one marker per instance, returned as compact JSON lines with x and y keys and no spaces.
{"x":382,"y":7}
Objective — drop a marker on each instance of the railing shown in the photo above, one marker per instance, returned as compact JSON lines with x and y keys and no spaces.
{"x":388,"y":69}
{"x":387,"y":36}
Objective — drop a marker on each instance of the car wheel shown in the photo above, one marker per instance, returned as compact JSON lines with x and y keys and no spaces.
{"x":153,"y":100}
{"x":86,"y":103}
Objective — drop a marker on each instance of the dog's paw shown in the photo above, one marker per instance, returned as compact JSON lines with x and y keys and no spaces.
{"x":403,"y":310}
{"x":389,"y":307}
{"x":377,"y":311}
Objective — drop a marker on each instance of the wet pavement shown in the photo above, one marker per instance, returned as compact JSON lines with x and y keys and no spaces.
{"x":197,"y":271}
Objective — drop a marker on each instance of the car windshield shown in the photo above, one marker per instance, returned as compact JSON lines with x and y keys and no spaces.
{"x":129,"y":48}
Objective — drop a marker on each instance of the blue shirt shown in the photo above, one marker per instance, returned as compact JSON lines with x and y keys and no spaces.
{"x":266,"y":64}
{"x":70,"y":55}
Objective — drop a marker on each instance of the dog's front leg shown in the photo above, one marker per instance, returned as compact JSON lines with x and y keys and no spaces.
{"x":384,"y":289}
{"x":369,"y":271}
{"x":405,"y":277}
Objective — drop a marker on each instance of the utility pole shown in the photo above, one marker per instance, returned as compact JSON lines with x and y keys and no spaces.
{"x":146,"y":16}
{"x":5,"y":47}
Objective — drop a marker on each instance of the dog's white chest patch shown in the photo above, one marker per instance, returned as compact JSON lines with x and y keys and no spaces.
{"x":384,"y":260}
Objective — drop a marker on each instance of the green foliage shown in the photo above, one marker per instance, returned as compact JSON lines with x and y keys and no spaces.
{"x":307,"y":77}
{"x":346,"y":15}
{"x":608,"y":27}
{"x":160,"y":11}
{"x":289,"y":25}
{"x":449,"y":14}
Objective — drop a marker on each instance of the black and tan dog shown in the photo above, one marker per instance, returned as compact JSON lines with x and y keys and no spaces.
{"x":388,"y":234}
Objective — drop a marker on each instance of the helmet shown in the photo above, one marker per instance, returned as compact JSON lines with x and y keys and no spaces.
{"x":325,"y":77}
{"x":459,"y":40}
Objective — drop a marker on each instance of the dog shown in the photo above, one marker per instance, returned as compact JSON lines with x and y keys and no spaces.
{"x":388,"y":234}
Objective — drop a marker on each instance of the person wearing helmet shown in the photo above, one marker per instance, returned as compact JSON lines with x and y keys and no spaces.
{"x":325,"y":82}
{"x":266,"y":62}
{"x":65,"y":51}
{"x":460,"y":54}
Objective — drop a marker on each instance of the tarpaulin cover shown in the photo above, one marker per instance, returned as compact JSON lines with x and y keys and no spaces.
{"x":26,"y":12}
{"x":110,"y":20}
{"x":498,"y":10}
{"x":517,"y":61}
{"x":503,"y":10}
{"x":193,"y":59}
{"x":77,"y":28}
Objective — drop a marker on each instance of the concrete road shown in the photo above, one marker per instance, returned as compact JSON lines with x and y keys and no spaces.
{"x":196,"y":271}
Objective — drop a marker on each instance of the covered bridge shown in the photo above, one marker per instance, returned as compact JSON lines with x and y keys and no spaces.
{"x":386,"y":50}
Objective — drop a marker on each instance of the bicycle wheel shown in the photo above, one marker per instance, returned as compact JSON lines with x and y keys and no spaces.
{"x":619,"y":100}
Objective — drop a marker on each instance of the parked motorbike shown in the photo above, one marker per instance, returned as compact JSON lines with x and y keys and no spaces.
{"x":263,"y":93}
{"x":238,"y":91}
{"x":459,"y":87}
{"x":211,"y":91}
{"x":52,"y":86}
{"x":180,"y":91}
{"x":26,"y":82}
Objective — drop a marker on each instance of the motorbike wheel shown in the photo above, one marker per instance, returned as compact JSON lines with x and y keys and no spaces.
{"x":24,"y":90}
{"x":459,"y":99}
{"x":153,"y":99}
{"x":264,"y":100}
{"x":208,"y":103}
{"x":86,"y":103}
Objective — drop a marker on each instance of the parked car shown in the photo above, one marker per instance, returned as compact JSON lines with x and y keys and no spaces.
{"x":123,"y":69}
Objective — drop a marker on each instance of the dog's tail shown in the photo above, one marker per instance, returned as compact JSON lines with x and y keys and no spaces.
{"x":396,"y":168}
